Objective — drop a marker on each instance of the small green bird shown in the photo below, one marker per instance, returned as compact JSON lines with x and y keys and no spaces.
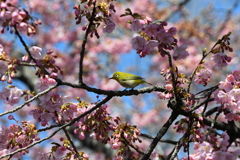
{"x":128,"y":80}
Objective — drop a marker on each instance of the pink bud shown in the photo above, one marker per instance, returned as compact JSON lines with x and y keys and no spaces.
{"x":10,"y":117}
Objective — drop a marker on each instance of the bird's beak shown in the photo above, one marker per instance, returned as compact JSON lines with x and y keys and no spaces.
{"x":111,"y":78}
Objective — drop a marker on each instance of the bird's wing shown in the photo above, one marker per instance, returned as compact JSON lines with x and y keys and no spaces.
{"x":132,"y":77}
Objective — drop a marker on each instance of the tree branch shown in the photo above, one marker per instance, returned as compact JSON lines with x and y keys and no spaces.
{"x":85,"y":42}
{"x":24,"y":44}
{"x":163,"y":140}
{"x":114,"y":93}
{"x":30,"y":100}
{"x":160,"y":134}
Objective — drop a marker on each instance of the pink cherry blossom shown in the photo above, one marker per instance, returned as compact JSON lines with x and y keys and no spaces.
{"x":10,"y":117}
{"x":235,"y":94}
{"x":203,"y":76}
{"x":44,"y":83}
{"x":22,"y":26}
{"x":148,"y":48}
{"x":138,"y":43}
{"x":165,"y":37}
{"x":180,"y":52}
{"x":225,"y":85}
{"x":109,"y":27}
{"x":12,"y":95}
{"x":221,"y":60}
{"x":172,"y":31}
{"x":137,"y":24}
{"x":236,"y":74}
{"x":169,"y":87}
{"x":151,"y":29}
{"x":35,"y":51}
{"x":222,"y":97}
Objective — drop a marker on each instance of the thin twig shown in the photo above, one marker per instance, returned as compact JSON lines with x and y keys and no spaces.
{"x":30,"y":100}
{"x":200,"y":62}
{"x":47,"y":128}
{"x":132,"y":146}
{"x":202,"y":103}
{"x":174,"y":84}
{"x":70,"y":140}
{"x":211,"y":89}
{"x":178,"y":146}
{"x":24,"y":44}
{"x":163,"y":140}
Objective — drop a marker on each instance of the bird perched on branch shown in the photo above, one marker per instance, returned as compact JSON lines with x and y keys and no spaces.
{"x":128,"y":80}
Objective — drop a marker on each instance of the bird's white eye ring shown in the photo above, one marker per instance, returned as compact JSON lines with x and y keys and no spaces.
{"x":116,"y":75}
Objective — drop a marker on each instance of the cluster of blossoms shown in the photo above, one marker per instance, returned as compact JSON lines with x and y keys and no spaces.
{"x":218,"y":151}
{"x":11,"y":95}
{"x":221,"y":60}
{"x":61,"y":151}
{"x":154,"y":35}
{"x":7,"y":66}
{"x":98,"y":122}
{"x":203,"y":76}
{"x":11,"y":16}
{"x":15,"y":137}
{"x":103,"y":12}
{"x":107,"y":129}
{"x":125,"y":134}
{"x":46,"y":63}
{"x":229,"y":96}
{"x":207,"y":143}
{"x":50,"y":103}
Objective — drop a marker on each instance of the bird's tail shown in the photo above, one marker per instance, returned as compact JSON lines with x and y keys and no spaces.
{"x":149,"y":83}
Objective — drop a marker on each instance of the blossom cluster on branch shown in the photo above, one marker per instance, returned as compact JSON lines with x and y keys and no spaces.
{"x":60,"y":71}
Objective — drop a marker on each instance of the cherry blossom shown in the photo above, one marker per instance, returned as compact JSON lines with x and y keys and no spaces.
{"x":180,"y":52}
{"x":221,"y":60}
{"x":203,"y":76}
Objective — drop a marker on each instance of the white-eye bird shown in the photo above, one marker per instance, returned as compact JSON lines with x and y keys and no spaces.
{"x":128,"y":80}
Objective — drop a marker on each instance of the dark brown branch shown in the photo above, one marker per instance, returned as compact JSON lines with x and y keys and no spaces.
{"x":174,"y":84}
{"x":163,"y":140}
{"x":70,"y":140}
{"x":24,"y":44}
{"x":211,"y":111}
{"x":47,"y":128}
{"x":160,"y":134}
{"x":132,"y":146}
{"x":114,"y":93}
{"x":85,"y":42}
{"x":202,"y":103}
